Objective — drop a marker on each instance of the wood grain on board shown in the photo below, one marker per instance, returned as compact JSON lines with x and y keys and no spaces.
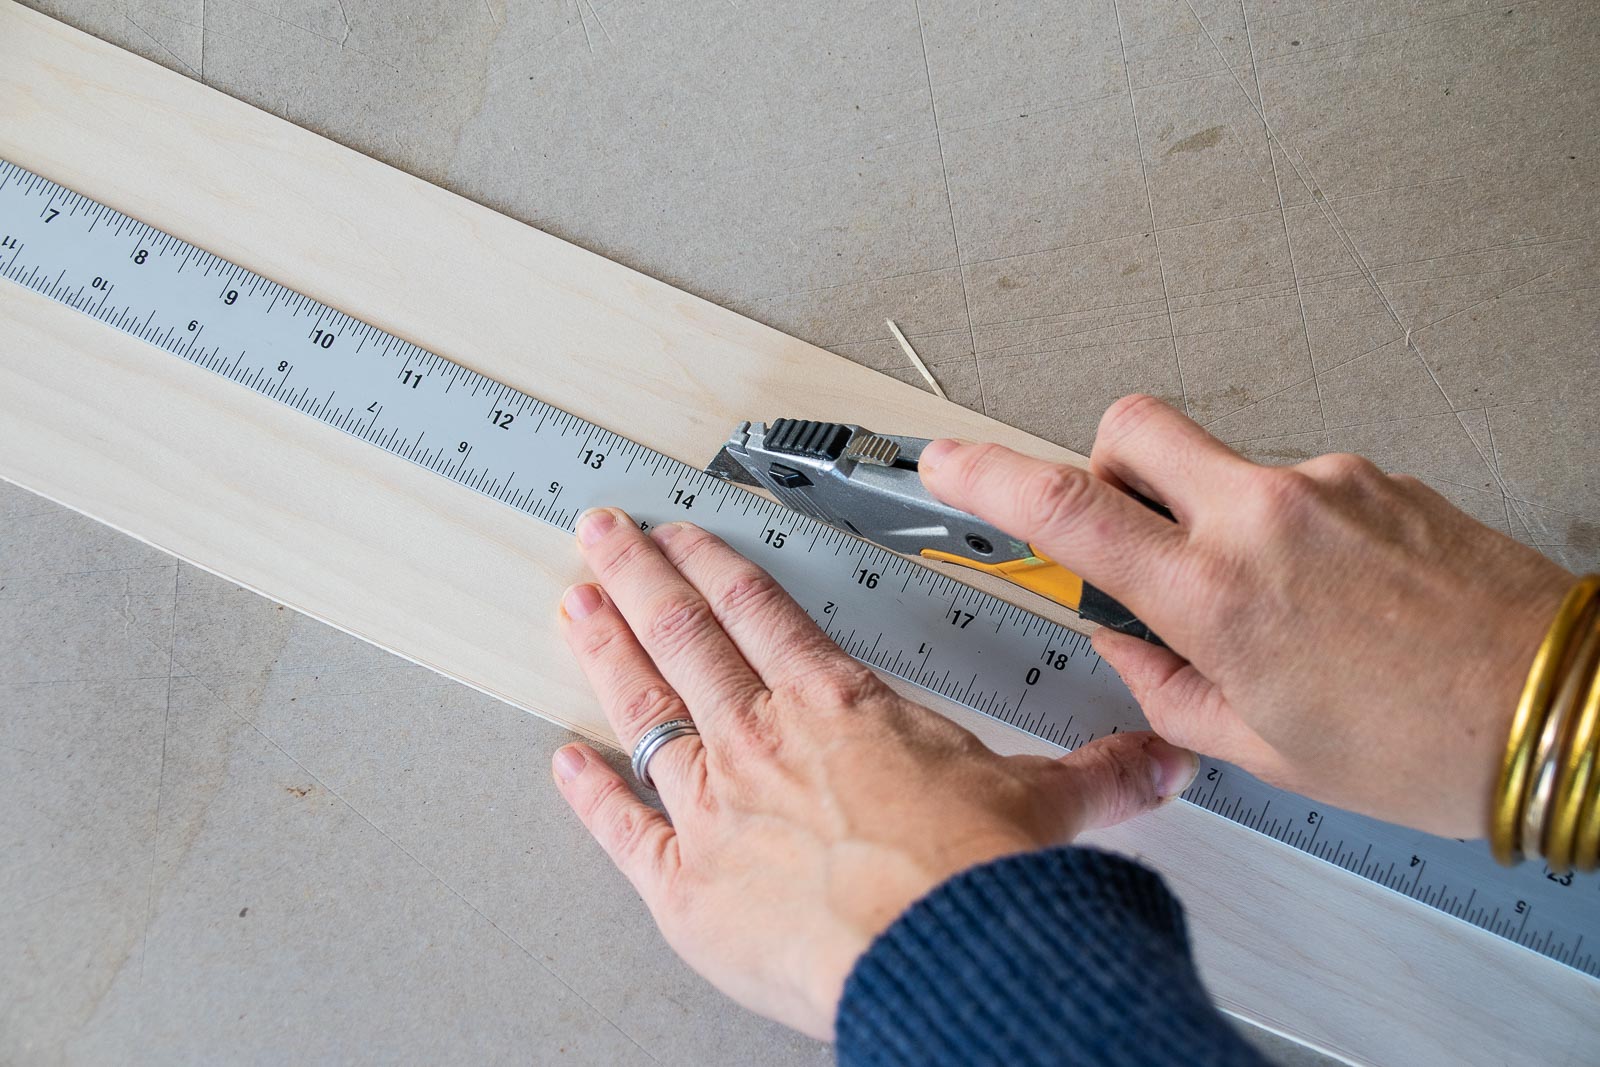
{"x":319,"y":521}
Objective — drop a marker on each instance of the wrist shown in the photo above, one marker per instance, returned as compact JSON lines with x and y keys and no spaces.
{"x":871,"y":888}
{"x":1493,"y":689}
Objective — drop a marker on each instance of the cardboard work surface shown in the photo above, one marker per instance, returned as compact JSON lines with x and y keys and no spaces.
{"x":203,"y":745}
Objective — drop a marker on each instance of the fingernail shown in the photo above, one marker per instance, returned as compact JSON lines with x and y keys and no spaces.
{"x":594,"y":524}
{"x":581,"y":600}
{"x":1172,"y":768}
{"x":568,"y":763}
{"x":666,"y":531}
{"x":935,"y":453}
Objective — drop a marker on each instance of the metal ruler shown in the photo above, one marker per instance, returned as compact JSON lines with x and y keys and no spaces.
{"x":896,"y":615}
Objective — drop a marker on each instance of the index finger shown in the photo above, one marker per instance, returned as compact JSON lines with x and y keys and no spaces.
{"x":773,"y":632}
{"x":1064,"y":512}
{"x":671,"y":620}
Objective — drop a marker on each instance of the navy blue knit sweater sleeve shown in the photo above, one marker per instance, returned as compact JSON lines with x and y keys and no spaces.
{"x":1070,"y":956}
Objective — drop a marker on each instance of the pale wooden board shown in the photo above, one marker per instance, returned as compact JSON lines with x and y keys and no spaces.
{"x":328,"y":525}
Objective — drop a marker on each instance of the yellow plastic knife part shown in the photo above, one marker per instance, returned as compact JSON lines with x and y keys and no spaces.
{"x":1034,"y":573}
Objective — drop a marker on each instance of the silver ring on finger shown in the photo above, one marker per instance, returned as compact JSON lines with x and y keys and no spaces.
{"x":652,"y":742}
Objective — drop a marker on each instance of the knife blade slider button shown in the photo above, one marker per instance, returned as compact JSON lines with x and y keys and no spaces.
{"x":813,"y":440}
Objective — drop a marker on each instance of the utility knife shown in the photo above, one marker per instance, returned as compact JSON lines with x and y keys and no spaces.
{"x":867,"y":484}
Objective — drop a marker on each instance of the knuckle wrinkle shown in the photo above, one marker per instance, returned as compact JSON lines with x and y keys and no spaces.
{"x":677,"y":623}
{"x":1053,"y":499}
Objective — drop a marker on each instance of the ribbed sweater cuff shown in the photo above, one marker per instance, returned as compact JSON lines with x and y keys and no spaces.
{"x":1069,"y":956}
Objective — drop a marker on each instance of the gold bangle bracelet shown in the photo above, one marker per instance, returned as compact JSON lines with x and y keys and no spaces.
{"x":1586,"y":849}
{"x":1512,"y":784}
{"x":1577,"y":781}
{"x":1571,"y":722}
{"x":1546,"y":763}
{"x":1579,"y":789}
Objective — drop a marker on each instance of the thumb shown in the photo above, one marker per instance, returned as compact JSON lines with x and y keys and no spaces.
{"x":1179,"y":701}
{"x":1156,"y":676}
{"x":1064,"y":512}
{"x":1114,"y":778}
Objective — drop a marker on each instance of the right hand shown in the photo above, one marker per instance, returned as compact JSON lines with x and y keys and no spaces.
{"x":1340,"y":632}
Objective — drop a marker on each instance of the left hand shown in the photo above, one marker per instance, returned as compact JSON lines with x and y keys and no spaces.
{"x":816,"y":804}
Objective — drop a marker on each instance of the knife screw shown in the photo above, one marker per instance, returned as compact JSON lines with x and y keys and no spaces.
{"x":980,"y":545}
